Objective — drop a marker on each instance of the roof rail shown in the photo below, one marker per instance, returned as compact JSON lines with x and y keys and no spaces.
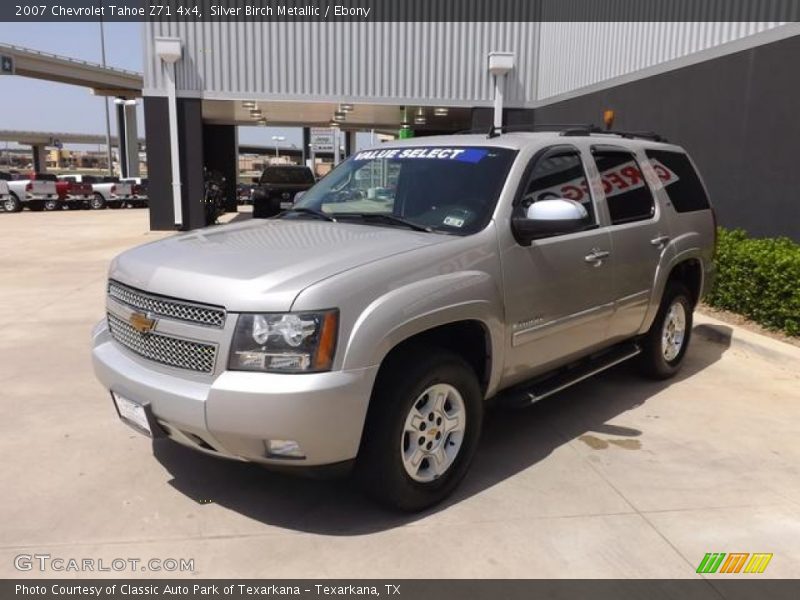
{"x":567,"y":129}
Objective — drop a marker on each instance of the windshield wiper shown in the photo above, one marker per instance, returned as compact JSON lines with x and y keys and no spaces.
{"x":310,"y":211}
{"x":389,"y":218}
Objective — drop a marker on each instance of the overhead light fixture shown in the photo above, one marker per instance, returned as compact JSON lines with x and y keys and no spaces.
{"x":441,"y":111}
{"x":334,"y":124}
{"x":339,"y":115}
{"x":346,"y":107}
{"x":262,"y":122}
{"x":256,"y":113}
{"x":248,"y":104}
{"x":419,"y":118}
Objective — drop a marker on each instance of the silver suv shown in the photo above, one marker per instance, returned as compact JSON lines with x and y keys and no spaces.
{"x":370,"y":325}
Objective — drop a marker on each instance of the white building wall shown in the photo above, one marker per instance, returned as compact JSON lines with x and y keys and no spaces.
{"x":574,"y":55}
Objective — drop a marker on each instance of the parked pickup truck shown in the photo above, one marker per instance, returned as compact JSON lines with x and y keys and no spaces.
{"x":73,"y":194}
{"x":277,"y":187}
{"x":372,"y":330}
{"x":107,"y":191}
{"x":5,"y":194}
{"x":139,"y":191}
{"x":37,"y":192}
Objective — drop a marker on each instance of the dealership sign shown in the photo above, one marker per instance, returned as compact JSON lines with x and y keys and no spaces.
{"x":322,"y":139}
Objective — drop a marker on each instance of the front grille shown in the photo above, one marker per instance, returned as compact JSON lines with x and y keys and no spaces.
{"x":174,"y":352}
{"x":167,"y":307}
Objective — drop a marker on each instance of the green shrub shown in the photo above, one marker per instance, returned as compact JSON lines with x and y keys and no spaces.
{"x":758,"y":278}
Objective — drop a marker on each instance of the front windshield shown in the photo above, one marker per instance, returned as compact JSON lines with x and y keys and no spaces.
{"x":447,"y":189}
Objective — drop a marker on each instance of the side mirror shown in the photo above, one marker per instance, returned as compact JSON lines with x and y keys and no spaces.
{"x":549,"y":217}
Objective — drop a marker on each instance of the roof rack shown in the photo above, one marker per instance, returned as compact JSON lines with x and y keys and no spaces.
{"x":568,"y":129}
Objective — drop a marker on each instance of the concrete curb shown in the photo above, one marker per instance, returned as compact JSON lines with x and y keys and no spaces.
{"x":720,"y":332}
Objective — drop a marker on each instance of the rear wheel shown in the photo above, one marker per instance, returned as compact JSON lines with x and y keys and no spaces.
{"x":12,"y":203}
{"x":97,"y":202}
{"x":665,"y":345}
{"x":50,"y":204}
{"x":422,"y":429}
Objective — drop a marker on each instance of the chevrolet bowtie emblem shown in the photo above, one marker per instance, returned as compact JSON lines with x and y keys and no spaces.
{"x":142,"y":323}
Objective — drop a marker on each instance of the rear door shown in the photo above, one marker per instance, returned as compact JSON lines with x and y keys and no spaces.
{"x":639,"y":235}
{"x":559,"y":294}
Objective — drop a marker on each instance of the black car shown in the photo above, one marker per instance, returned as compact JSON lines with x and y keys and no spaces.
{"x":277,"y":188}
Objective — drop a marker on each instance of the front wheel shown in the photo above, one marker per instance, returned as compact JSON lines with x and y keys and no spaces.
{"x":97,"y":202}
{"x":422,"y":429}
{"x":664,"y":346}
{"x":12,"y":203}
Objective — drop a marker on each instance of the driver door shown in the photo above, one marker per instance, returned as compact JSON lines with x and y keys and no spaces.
{"x":558,"y":290}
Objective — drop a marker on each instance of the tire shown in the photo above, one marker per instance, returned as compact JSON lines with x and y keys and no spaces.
{"x":665,"y":344}
{"x":51,"y":205}
{"x":12,"y":203}
{"x":97,"y":202}
{"x":406,"y":425}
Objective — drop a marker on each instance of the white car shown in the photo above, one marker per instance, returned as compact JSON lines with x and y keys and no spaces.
{"x":108,"y":191}
{"x":139,"y":185}
{"x":37,"y":192}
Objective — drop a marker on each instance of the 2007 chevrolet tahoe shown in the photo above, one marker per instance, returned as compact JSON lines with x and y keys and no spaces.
{"x":370,"y":324}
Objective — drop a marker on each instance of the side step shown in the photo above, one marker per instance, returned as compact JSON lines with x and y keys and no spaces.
{"x":527,"y":393}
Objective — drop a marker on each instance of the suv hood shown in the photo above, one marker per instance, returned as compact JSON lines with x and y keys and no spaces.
{"x":260,"y":264}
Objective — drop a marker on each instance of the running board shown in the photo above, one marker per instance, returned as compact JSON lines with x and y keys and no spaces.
{"x":527,"y":393}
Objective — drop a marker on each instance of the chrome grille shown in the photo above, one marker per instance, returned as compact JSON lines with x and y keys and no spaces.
{"x":181,"y":310}
{"x":174,"y":352}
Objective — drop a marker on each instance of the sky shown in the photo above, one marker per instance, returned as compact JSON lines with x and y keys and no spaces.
{"x":35,"y":105}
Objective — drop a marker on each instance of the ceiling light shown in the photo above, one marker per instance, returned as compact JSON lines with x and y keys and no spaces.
{"x":420,"y":120}
{"x":248,"y":104}
{"x":339,"y":115}
{"x":441,"y":111}
{"x":256,"y":113}
{"x":262,"y":122}
{"x":346,"y":107}
{"x":334,"y":124}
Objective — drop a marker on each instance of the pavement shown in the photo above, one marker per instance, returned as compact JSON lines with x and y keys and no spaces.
{"x":616,"y":477}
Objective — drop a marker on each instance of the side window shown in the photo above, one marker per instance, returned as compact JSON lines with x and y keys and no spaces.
{"x":559,"y":174}
{"x":681,"y":182}
{"x":628,"y":196}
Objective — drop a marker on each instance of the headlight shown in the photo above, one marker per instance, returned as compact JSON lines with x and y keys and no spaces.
{"x":284,"y":343}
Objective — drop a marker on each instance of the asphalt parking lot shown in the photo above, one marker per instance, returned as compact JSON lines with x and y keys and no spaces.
{"x":616,"y":477}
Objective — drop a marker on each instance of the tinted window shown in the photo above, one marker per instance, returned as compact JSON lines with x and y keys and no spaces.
{"x":287,"y":175}
{"x":680,"y":180}
{"x":559,"y":174}
{"x":627,"y":194}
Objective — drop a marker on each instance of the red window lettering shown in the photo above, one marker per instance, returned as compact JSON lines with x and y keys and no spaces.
{"x":663,"y":174}
{"x":617,"y":181}
{"x":633,"y":174}
{"x":572,"y":192}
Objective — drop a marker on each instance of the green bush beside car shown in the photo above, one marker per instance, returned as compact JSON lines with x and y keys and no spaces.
{"x":758,"y":278}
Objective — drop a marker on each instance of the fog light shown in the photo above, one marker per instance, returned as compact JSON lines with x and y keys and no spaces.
{"x":284,"y":449}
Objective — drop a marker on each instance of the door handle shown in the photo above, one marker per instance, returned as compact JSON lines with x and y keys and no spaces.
{"x":596,"y":257}
{"x":660,"y":241}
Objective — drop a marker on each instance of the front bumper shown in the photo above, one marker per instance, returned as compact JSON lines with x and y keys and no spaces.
{"x":234,"y":413}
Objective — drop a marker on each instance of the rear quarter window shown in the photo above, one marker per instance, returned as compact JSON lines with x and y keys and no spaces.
{"x":680,"y":180}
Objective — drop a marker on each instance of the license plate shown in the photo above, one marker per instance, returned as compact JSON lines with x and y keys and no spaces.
{"x":132,"y":412}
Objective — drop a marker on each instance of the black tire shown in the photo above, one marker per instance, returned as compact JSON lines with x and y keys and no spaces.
{"x":97,"y":202}
{"x":51,"y":204}
{"x":12,"y":203}
{"x":379,"y":466}
{"x":654,"y":361}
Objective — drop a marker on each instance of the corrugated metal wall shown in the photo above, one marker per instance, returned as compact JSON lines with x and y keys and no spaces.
{"x":393,"y":62}
{"x":577,"y":54}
